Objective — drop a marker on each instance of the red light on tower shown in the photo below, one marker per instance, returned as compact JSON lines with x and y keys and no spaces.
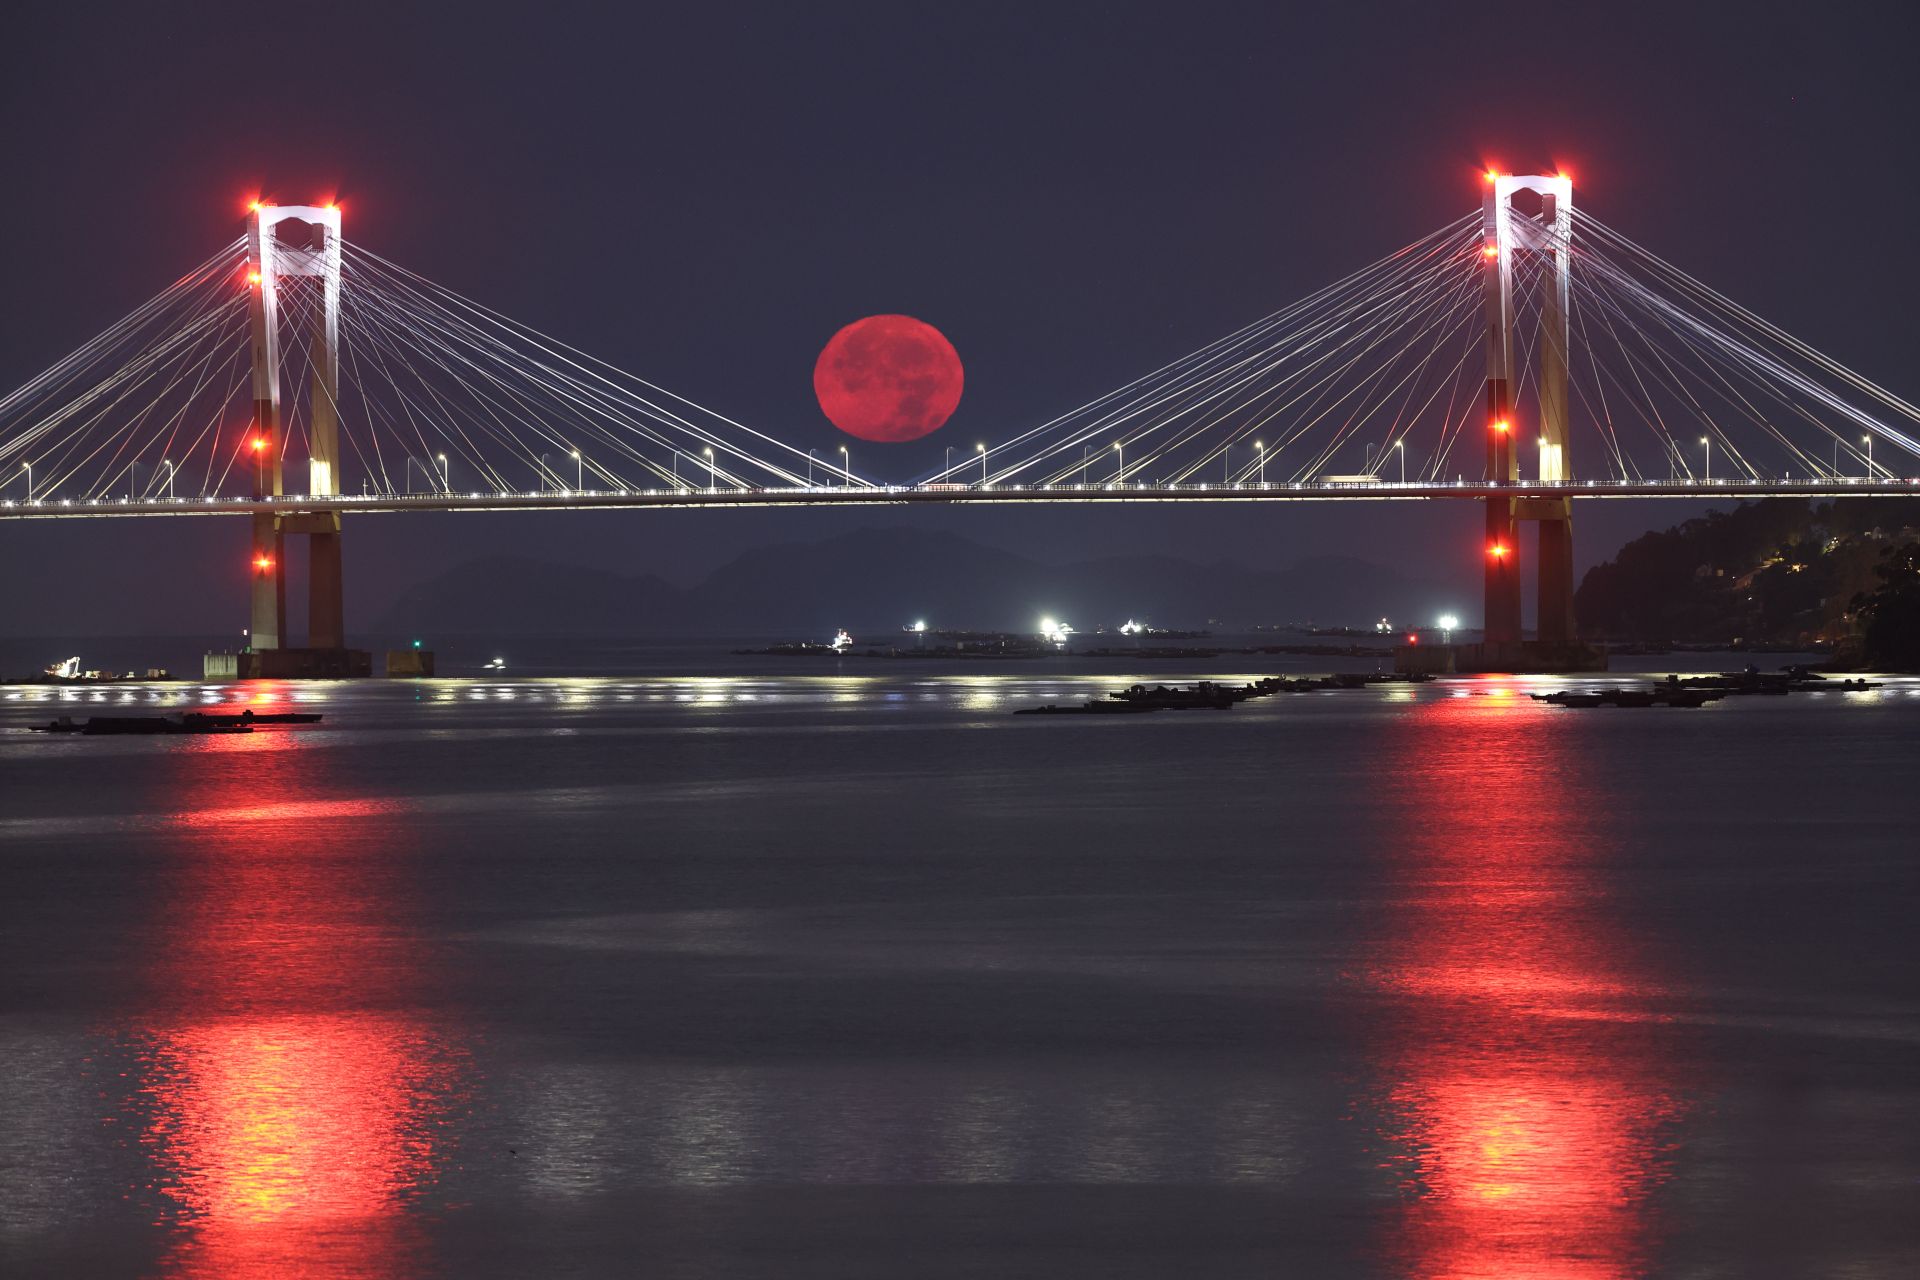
{"x":257,"y":443}
{"x":253,"y":278}
{"x":1501,"y":426}
{"x":1497,"y":551}
{"x":1490,"y":251}
{"x":263,"y":563}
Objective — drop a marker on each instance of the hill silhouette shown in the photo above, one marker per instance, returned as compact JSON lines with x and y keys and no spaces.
{"x":883,"y":578}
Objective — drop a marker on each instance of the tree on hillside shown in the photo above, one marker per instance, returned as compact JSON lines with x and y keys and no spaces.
{"x":1889,"y":615}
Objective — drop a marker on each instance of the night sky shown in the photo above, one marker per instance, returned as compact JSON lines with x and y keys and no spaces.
{"x":1073,"y":194}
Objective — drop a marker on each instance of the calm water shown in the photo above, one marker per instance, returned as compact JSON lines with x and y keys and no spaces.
{"x":858,"y":975}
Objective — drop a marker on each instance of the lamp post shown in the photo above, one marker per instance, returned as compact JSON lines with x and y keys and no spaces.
{"x":1119,"y":447}
{"x":579,"y":472}
{"x":846,"y":463}
{"x":169,"y":466}
{"x":1708,"y":442}
{"x":1868,"y":441}
{"x":981,"y":449}
{"x":712,"y":484}
{"x":29,"y":467}
{"x":1226,"y":464}
{"x":445,"y":483}
{"x":1400,"y":447}
{"x":1447,"y":623}
{"x":1261,"y":451}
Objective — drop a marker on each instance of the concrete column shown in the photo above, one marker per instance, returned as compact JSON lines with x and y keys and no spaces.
{"x":269,"y":583}
{"x":326,"y":617}
{"x":1556,"y":340}
{"x":1556,"y":577}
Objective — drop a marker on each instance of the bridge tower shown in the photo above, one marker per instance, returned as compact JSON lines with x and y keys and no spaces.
{"x":296,"y":242}
{"x":1533,"y":215}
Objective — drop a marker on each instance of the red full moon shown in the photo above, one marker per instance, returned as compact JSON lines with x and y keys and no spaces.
{"x":888,"y":378}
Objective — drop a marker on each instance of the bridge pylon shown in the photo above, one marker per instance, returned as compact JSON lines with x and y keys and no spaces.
{"x":1528,"y":214}
{"x":296,"y":243}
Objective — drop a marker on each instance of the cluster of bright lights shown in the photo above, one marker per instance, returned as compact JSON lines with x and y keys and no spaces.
{"x":1055,"y":632}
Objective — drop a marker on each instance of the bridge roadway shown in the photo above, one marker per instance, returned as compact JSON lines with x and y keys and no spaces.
{"x":953,"y":495}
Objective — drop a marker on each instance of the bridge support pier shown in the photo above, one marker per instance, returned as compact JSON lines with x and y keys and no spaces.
{"x":269,"y":623}
{"x":326,"y":612}
{"x":1556,"y":578}
{"x":1542,"y":225}
{"x":309,"y":249}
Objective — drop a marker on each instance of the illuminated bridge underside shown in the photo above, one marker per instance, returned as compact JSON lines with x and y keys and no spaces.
{"x":905,"y":495}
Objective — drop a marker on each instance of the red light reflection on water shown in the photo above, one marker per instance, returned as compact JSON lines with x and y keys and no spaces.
{"x":1526,"y":1095}
{"x":297,"y":1103}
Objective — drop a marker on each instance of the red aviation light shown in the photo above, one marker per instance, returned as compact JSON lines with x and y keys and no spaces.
{"x":257,"y":443}
{"x":1500,"y":425}
{"x":1497,"y":551}
{"x":1490,"y":251}
{"x":253,"y":278}
{"x":263,"y":563}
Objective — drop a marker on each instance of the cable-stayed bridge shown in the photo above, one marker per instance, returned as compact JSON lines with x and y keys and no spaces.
{"x":295,"y":376}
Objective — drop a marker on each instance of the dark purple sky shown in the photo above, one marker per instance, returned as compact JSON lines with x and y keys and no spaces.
{"x":1074,"y":194}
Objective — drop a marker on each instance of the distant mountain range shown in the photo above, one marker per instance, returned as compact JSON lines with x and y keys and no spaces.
{"x":877,"y":580}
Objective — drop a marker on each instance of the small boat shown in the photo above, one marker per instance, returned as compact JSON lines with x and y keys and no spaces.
{"x":198,"y":718}
{"x":1091,"y":709}
{"x":112,"y":726}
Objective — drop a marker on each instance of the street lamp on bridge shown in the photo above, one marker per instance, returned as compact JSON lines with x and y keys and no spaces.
{"x":1260,"y":451}
{"x":579,"y":472}
{"x":168,"y":464}
{"x":1868,"y":441}
{"x":981,"y":449}
{"x":846,"y":464}
{"x":712,"y":485}
{"x":1400,"y":447}
{"x":1119,"y":447}
{"x":445,"y":483}
{"x":29,"y":469}
{"x":1708,"y":474}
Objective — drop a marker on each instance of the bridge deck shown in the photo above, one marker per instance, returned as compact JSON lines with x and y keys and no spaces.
{"x":902,"y":495}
